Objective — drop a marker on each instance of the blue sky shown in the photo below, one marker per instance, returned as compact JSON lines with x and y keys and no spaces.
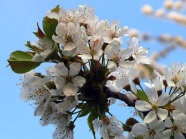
{"x":18,"y":21}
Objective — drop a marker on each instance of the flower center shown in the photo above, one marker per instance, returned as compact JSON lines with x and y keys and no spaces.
{"x":68,"y":38}
{"x":68,"y":78}
{"x":174,"y":128}
{"x":154,"y":106}
{"x":106,"y":120}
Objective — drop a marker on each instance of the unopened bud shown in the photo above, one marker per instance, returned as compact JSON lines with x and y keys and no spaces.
{"x":112,"y":78}
{"x":159,"y":92}
{"x":165,"y":83}
{"x":127,"y":87}
{"x":131,"y":121}
{"x":136,"y":81}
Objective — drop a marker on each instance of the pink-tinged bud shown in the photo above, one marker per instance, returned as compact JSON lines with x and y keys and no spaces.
{"x":136,"y":81}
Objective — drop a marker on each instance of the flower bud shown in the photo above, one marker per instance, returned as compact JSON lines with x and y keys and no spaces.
{"x":159,"y":92}
{"x":127,"y":87}
{"x":131,"y":122}
{"x":136,"y":81}
{"x":112,"y":78}
{"x":165,"y":83}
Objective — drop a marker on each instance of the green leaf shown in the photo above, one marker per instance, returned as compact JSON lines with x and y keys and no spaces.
{"x":142,"y":95}
{"x":49,"y":26}
{"x":92,"y":116}
{"x":56,"y":9}
{"x":85,"y":111}
{"x":33,"y":48}
{"x":20,"y":62}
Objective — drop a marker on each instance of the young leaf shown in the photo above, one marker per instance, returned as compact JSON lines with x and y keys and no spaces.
{"x":21,"y":62}
{"x":56,"y":9}
{"x":92,"y":116}
{"x":33,"y":48}
{"x":49,"y":26}
{"x":85,"y":111}
{"x":142,"y":95}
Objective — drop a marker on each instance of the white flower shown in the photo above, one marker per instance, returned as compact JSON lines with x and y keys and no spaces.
{"x":63,"y":133}
{"x":115,"y":54}
{"x":93,"y":51}
{"x":176,"y":128}
{"x":45,"y":46}
{"x":151,"y":131}
{"x":34,"y":87}
{"x":119,"y":74}
{"x":67,"y":104}
{"x":67,"y":35}
{"x":137,"y":54}
{"x":72,"y":15}
{"x":52,"y":116}
{"x":153,"y":105}
{"x":41,"y":108}
{"x":109,"y":32}
{"x":108,"y":127}
{"x":67,"y":80}
{"x":176,"y":75}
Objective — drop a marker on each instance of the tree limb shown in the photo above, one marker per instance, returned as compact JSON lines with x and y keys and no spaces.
{"x":119,"y":96}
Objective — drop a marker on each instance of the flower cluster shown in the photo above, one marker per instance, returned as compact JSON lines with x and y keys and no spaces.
{"x":91,"y":69}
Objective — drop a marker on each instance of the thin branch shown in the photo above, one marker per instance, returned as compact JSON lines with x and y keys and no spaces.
{"x":119,"y":96}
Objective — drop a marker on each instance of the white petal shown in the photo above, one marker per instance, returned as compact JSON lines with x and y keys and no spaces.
{"x":123,"y":82}
{"x":160,"y":126}
{"x":144,"y":59}
{"x":162,"y":113}
{"x":163,"y":99}
{"x":142,"y":105}
{"x":43,"y":105}
{"x":168,"y":122}
{"x":97,"y":124}
{"x":157,"y":125}
{"x":120,"y":137}
{"x":111,"y":65}
{"x":178,"y":135}
{"x":139,"y":129}
{"x":152,"y":95}
{"x":72,"y":28}
{"x":61,"y":69}
{"x":74,"y":68}
{"x":59,"y":82}
{"x":103,"y":132}
{"x":98,"y":55}
{"x":69,"y":46}
{"x":166,"y":134}
{"x":151,"y":116}
{"x":79,"y":81}
{"x":70,"y":89}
